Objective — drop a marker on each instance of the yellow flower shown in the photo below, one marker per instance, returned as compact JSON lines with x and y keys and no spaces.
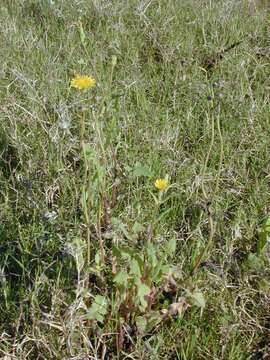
{"x":83,"y":82}
{"x":161,"y":184}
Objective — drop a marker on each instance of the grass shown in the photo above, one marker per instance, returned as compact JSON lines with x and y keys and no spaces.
{"x":95,"y":262}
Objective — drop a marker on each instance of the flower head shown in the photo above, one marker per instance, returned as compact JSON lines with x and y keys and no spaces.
{"x":83,"y":82}
{"x":161,"y":184}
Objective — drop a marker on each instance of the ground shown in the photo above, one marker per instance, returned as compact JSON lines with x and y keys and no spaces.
{"x":98,"y":260}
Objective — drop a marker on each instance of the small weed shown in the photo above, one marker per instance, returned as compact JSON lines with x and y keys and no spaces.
{"x":134,"y":179}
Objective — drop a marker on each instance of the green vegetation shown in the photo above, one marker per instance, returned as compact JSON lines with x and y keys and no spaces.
{"x":96,"y":262}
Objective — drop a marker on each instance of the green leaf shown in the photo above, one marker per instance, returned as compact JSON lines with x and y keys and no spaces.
{"x":127,"y":252}
{"x":121,"y":278}
{"x":255,"y":262}
{"x":116,"y":252}
{"x":121,"y":227}
{"x":159,"y":271}
{"x":151,"y":253}
{"x":98,"y":260}
{"x":82,"y":34}
{"x":264,"y":235}
{"x":98,"y":309}
{"x":140,"y":261}
{"x":143,"y":290}
{"x":146,"y":324}
{"x":114,"y":60}
{"x":88,"y":152}
{"x":264,"y":287}
{"x":76,"y":248}
{"x":84,"y":198}
{"x":135,"y":268}
{"x":141,"y":324}
{"x":140,"y":170}
{"x":122,"y":252}
{"x":170,"y":247}
{"x":137,"y":228}
{"x":197,"y":299}
{"x":154,"y":319}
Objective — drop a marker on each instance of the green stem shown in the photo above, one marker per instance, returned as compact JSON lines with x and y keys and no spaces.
{"x":85,"y":188}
